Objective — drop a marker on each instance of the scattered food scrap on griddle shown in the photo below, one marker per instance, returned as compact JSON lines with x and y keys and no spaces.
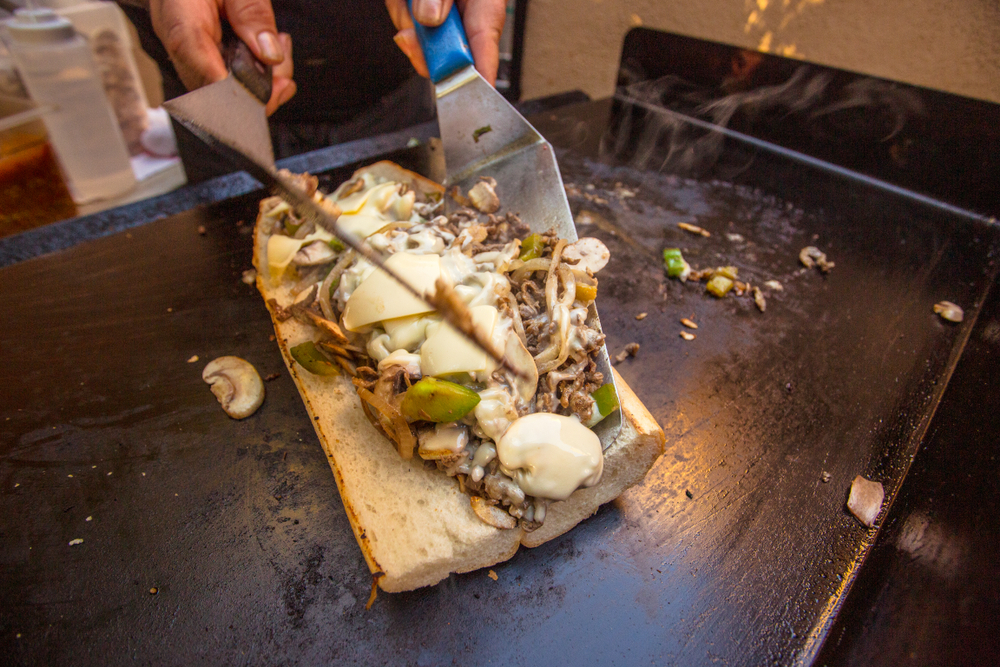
{"x":492,"y":575}
{"x":811,"y":256}
{"x":236,"y":385}
{"x":641,"y":316}
{"x":865,"y":500}
{"x":825,"y":477}
{"x":687,"y":335}
{"x":949,"y":311}
{"x":249,"y":277}
{"x":75,"y":542}
{"x":759,"y":300}
{"x":774,"y":285}
{"x":694,"y":229}
{"x":630,"y":351}
{"x":193,"y":358}
{"x":689,"y":323}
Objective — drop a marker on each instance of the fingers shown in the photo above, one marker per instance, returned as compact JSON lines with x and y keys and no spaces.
{"x":483,"y":20}
{"x":282,"y":85}
{"x":431,"y":12}
{"x":190,"y":31}
{"x":407,"y":42}
{"x":253,"y":22}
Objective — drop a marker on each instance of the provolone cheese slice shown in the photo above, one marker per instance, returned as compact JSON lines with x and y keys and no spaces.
{"x":447,"y":351}
{"x":281,"y":249}
{"x":361,"y":224}
{"x":380,"y":297}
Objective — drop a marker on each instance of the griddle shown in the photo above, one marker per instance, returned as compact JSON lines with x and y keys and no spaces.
{"x":223,"y":542}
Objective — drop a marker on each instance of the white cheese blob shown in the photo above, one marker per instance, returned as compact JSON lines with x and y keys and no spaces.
{"x":445,"y":439}
{"x":495,"y":412}
{"x":380,"y":297}
{"x":447,"y":351}
{"x":407,"y":333}
{"x":550,"y":456}
{"x":407,"y":360}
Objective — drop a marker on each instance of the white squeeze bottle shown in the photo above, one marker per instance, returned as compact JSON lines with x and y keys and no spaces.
{"x":58,"y":70}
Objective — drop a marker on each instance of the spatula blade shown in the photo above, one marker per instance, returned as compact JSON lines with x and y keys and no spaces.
{"x":230,"y":112}
{"x":482,"y":134}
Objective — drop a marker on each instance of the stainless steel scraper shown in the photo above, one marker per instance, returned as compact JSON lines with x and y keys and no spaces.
{"x":483,"y":135}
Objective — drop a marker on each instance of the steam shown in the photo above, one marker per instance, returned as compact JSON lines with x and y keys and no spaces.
{"x":680,"y":128}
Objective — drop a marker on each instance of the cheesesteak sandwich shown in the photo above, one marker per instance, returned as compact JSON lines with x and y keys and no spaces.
{"x":447,"y":461}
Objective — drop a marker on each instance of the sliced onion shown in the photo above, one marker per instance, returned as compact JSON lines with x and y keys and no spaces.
{"x":491,"y":514}
{"x":398,"y":430}
{"x":335,"y":273}
{"x":532,"y":265}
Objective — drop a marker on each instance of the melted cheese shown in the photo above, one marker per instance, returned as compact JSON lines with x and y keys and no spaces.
{"x":360,"y":224}
{"x":447,"y":351}
{"x":550,"y":456}
{"x":380,"y":297}
{"x":281,"y":249}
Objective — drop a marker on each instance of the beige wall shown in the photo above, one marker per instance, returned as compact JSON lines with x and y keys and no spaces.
{"x":951,"y":45}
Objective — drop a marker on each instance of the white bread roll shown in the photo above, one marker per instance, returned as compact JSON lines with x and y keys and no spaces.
{"x":414,"y":525}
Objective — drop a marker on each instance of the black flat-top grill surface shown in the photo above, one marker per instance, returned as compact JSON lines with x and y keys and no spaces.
{"x":211,"y":541}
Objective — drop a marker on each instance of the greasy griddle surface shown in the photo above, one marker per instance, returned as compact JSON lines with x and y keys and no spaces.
{"x":733,"y":551}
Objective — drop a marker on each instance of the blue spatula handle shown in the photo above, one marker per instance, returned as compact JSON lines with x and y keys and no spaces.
{"x":445,"y":47}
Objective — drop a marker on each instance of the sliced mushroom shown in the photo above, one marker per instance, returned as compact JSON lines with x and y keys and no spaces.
{"x":484,"y":197}
{"x":236,"y":384}
{"x":590,"y":253}
{"x":491,"y":514}
{"x":949,"y":311}
{"x":314,"y":254}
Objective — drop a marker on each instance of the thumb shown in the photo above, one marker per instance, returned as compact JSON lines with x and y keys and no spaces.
{"x":253,"y":22}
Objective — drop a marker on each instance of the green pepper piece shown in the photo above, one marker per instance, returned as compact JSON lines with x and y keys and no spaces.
{"x":605,"y":402}
{"x":436,"y":400}
{"x":310,"y":358}
{"x":674,"y":261}
{"x":606,"y":398}
{"x":480,"y":132}
{"x":291,"y":227}
{"x":719,"y":286}
{"x":335,"y":245}
{"x":531,"y":247}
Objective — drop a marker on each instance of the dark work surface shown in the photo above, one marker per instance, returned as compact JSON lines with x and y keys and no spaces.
{"x":733,"y":551}
{"x":929,"y":593}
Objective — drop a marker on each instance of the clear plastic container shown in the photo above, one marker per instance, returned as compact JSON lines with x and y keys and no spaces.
{"x":58,"y":70}
{"x":32,"y":189}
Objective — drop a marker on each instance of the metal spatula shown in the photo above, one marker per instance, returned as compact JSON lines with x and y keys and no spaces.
{"x":232,"y":110}
{"x":483,"y":135}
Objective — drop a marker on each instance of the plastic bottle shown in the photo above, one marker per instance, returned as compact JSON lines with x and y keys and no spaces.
{"x":58,"y":70}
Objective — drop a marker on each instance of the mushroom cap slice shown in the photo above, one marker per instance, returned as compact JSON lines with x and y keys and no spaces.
{"x":237,"y":385}
{"x":589,"y":252}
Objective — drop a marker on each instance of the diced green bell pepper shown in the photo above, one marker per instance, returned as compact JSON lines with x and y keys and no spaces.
{"x":436,"y":400}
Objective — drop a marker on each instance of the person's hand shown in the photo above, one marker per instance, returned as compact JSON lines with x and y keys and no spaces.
{"x":483,"y":21}
{"x":191,"y":31}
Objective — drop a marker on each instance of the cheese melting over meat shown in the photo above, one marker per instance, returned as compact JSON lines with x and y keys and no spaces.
{"x":502,"y":445}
